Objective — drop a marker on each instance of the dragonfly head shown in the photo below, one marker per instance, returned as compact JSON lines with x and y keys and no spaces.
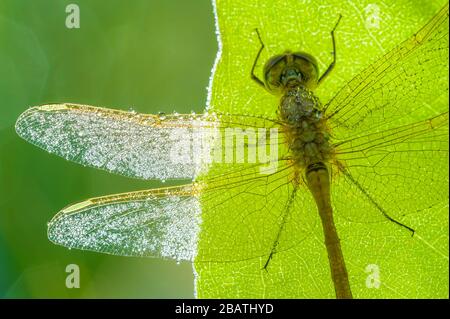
{"x":289,"y":70}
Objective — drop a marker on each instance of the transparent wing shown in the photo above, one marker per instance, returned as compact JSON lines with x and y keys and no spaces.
{"x":405,"y":85}
{"x":135,"y":145}
{"x":160,"y":223}
{"x":165,"y":222}
{"x":397,"y":171}
{"x":390,"y":131}
{"x":243,"y":214}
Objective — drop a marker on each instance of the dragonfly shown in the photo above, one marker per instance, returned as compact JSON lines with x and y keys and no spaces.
{"x":318,"y":150}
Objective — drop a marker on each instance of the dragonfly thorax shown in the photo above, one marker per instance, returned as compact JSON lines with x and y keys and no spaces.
{"x":299,"y":103}
{"x":304,"y":127}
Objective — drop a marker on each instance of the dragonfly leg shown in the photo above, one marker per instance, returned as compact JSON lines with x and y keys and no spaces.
{"x":268,"y":260}
{"x":253,"y":76}
{"x":331,"y":66}
{"x":283,"y":222}
{"x":378,"y":206}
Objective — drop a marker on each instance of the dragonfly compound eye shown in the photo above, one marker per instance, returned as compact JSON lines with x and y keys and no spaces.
{"x":290,"y":70}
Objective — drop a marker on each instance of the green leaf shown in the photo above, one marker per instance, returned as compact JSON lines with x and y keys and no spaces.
{"x":240,"y":225}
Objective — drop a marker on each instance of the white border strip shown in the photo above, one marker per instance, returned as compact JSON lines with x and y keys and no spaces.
{"x":208,"y":107}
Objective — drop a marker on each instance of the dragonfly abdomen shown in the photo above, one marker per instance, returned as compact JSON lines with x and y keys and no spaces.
{"x":304,"y":127}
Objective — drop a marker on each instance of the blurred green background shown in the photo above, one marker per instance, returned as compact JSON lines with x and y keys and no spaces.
{"x":146,"y":55}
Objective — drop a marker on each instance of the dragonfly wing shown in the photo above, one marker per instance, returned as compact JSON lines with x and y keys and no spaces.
{"x":407,"y":84}
{"x":245,"y":214}
{"x":235,"y":223}
{"x":390,"y":130}
{"x":162,"y":222}
{"x":398,"y":171}
{"x":135,"y":145}
{"x":154,"y":223}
